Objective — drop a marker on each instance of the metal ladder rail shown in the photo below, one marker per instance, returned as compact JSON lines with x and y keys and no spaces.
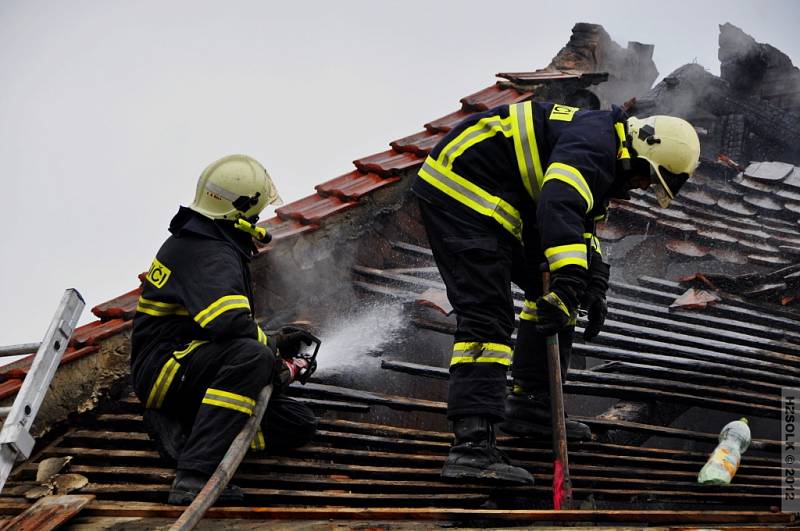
{"x":16,"y":442}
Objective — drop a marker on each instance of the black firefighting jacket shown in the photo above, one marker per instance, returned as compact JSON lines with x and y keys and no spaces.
{"x":542,"y":163}
{"x":198,"y":289}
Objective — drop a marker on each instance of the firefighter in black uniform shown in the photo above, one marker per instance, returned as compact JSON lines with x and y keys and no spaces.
{"x":503,"y":192}
{"x":198,"y":358}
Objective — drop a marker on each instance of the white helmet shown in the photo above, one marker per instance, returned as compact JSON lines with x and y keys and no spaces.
{"x":234,"y":187}
{"x":672,"y":148}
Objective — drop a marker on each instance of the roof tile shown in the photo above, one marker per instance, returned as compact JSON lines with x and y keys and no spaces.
{"x":446,"y":122}
{"x":388,"y":162}
{"x":420,"y":143}
{"x":122,"y":307}
{"x":92,"y":333}
{"x":314,"y":208}
{"x":492,"y":97}
{"x":73,"y":354}
{"x":353,"y":185}
{"x":9,"y":388}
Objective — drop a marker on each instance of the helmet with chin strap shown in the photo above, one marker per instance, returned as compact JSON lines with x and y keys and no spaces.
{"x":234,"y":187}
{"x":671,"y":147}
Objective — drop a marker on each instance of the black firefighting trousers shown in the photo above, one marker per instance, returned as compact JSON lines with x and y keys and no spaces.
{"x":478,"y":260}
{"x":211,"y":388}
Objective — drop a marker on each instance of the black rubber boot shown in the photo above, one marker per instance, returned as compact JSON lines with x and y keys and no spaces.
{"x":474,"y":456}
{"x":166,"y":433}
{"x":188,"y":484}
{"x":528,"y":415}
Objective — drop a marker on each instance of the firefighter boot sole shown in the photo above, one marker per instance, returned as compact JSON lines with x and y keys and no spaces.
{"x":507,"y":475}
{"x":576,"y":431}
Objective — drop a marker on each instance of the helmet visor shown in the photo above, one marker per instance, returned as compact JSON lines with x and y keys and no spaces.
{"x":667,"y":185}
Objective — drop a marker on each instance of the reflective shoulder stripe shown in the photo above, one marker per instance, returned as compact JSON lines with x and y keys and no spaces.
{"x":525,"y":148}
{"x":478,"y":352}
{"x":529,"y":311}
{"x":571,"y":176}
{"x":562,"y":255}
{"x":481,"y":130}
{"x":226,"y":399}
{"x":219,"y":306}
{"x":159,"y":309}
{"x":471,"y":195}
{"x":593,"y":242}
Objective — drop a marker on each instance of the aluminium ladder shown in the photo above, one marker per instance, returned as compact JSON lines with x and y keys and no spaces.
{"x":16,"y":442}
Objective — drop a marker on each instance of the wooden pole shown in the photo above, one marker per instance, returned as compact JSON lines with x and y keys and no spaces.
{"x":226,"y":469}
{"x":562,"y":485}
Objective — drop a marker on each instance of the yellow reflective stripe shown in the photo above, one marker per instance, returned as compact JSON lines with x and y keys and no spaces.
{"x":189,"y":348}
{"x":258,"y":443}
{"x":478,"y":132}
{"x":525,"y":148}
{"x":571,"y":176}
{"x":159,"y":390}
{"x":159,"y":309}
{"x":529,"y":311}
{"x":479,"y":352}
{"x":262,"y":337}
{"x":593,"y":242}
{"x":221,"y":305}
{"x":226,"y":399}
{"x":555,"y":300}
{"x":622,"y":152}
{"x":471,"y":195}
{"x":562,"y":255}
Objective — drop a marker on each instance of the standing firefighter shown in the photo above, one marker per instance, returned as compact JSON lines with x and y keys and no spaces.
{"x":199,"y":359}
{"x":503,"y":192}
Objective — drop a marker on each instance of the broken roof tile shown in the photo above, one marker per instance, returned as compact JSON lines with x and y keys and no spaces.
{"x":122,"y":307}
{"x":446,"y":122}
{"x":493,"y":96}
{"x":388,"y":162}
{"x":314,"y":208}
{"x":695,"y":299}
{"x":540,"y":76}
{"x":94,"y":332}
{"x":611,"y":232}
{"x":688,"y":249}
{"x":354,"y":185}
{"x":700,"y":197}
{"x":420,"y":143}
{"x":768,"y":171}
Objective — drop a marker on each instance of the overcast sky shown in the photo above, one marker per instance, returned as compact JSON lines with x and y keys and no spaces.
{"x":109,"y":110}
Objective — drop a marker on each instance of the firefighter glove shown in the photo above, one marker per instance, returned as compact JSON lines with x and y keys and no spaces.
{"x":287,"y":371}
{"x":289,"y":341}
{"x":594,"y":300}
{"x":553,"y":313}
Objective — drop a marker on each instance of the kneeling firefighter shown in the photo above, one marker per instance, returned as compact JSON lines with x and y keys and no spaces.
{"x":504,"y":192}
{"x":198,"y":356}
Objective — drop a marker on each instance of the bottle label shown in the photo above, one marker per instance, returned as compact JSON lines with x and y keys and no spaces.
{"x":727,"y":459}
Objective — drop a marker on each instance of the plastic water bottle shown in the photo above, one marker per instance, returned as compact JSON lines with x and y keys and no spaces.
{"x":734,"y":439}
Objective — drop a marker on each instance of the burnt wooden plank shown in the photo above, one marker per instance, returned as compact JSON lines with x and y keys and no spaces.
{"x":48,"y":513}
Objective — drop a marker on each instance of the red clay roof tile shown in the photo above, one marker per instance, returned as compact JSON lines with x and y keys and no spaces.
{"x":353,"y":185}
{"x":314,"y":208}
{"x":492,"y":97}
{"x":122,"y":307}
{"x":420,"y":143}
{"x":9,"y":388}
{"x":446,"y":122}
{"x":387,"y":162}
{"x":73,"y":354}
{"x":92,"y":333}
